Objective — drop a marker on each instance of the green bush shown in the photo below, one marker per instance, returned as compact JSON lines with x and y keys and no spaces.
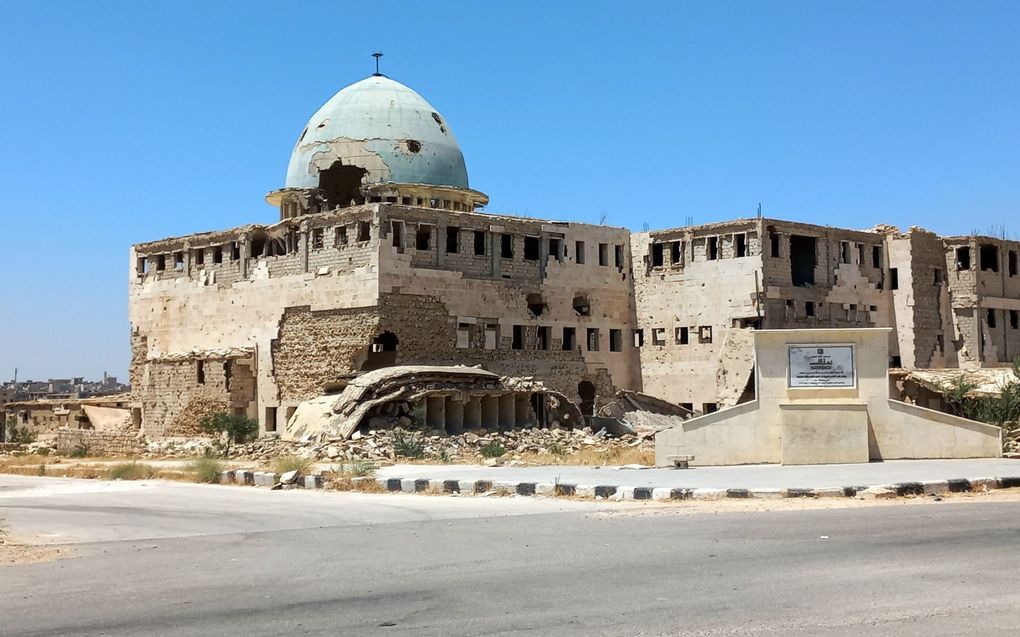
{"x":237,"y":428}
{"x":132,"y":471}
{"x":1002,"y":410}
{"x":492,"y":449}
{"x":80,"y":450}
{"x":206,"y":470}
{"x":408,"y":445}
{"x":19,"y":435}
{"x":556,"y":449}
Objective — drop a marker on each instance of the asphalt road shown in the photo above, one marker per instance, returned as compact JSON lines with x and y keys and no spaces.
{"x":237,"y":561}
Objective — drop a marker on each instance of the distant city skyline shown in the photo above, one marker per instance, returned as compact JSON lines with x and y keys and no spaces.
{"x":153,"y":121}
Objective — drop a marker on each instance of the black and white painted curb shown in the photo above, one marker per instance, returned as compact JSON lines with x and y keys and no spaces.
{"x":624,"y":492}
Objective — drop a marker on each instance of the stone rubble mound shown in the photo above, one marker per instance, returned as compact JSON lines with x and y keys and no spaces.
{"x":384,"y":445}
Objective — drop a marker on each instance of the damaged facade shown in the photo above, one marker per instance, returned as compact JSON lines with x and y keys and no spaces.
{"x":381,"y":258}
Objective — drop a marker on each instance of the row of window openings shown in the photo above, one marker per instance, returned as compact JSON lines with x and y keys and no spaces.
{"x":198,"y":258}
{"x":443,"y":204}
{"x":1014,"y":319}
{"x":988,"y":256}
{"x":851,"y":312}
{"x":681,"y":335}
{"x":423,"y":242}
{"x":711,"y":250}
{"x":543,"y":338}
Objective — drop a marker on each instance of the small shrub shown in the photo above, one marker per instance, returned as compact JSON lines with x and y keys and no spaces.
{"x":354,"y":469}
{"x":444,"y":456}
{"x":206,"y":470}
{"x":43,"y":451}
{"x":557,"y":449}
{"x":492,"y":449}
{"x":41,"y":470}
{"x":19,"y":435}
{"x":80,"y":450}
{"x":237,"y":428}
{"x":408,"y":445}
{"x":283,"y":464}
{"x":131,"y":471}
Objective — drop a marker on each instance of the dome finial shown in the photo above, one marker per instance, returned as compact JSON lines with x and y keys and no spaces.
{"x":377,"y":55}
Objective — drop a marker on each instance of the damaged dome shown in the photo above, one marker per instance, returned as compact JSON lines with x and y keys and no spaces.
{"x":379,"y":131}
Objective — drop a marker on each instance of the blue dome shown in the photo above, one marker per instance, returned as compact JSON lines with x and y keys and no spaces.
{"x":383,"y":127}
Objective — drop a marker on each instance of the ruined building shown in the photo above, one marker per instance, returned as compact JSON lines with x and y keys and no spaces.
{"x":382,"y":257}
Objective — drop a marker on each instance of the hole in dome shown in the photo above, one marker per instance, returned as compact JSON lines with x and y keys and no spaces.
{"x":323,"y":123}
{"x":413,"y":145}
{"x":341,"y":185}
{"x":439,"y":120}
{"x":303,"y":133}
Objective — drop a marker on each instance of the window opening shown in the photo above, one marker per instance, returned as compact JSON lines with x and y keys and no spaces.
{"x":676,"y":252}
{"x":683,"y":335}
{"x":364,"y":231}
{"x":517,"y":342}
{"x":894,"y":278}
{"x":963,"y":258}
{"x":452,"y":240}
{"x":803,"y":259}
{"x":712,"y":252}
{"x":603,"y":254}
{"x":989,"y":258}
{"x":593,"y":339}
{"x":569,"y":339}
{"x":639,"y":338}
{"x":479,"y":243}
{"x":543,"y":337}
{"x":657,"y":255}
{"x":615,"y":340}
{"x":423,"y":238}
{"x":579,"y":252}
{"x":740,"y":241}
{"x":506,"y":246}
{"x":531,"y":248}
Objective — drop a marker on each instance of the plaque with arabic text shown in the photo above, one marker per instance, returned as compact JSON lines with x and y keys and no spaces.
{"x":823,"y":366}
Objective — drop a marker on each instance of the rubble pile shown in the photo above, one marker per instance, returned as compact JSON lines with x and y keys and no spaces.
{"x":394,"y":445}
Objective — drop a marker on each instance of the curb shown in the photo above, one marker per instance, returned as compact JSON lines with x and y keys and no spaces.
{"x":625,"y":492}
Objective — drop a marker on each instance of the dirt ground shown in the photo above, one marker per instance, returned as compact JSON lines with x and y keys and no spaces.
{"x":19,"y":553}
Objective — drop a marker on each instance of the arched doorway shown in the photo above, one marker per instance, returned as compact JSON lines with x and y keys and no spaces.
{"x":382,"y":353}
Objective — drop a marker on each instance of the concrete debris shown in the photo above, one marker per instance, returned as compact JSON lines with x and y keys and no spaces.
{"x":378,"y":446}
{"x":448,"y":398}
{"x":645,"y":415}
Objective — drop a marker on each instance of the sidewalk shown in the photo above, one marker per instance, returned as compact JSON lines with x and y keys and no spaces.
{"x":903,"y":476}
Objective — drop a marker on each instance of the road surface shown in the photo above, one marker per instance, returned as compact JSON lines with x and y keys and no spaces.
{"x":161,"y":559}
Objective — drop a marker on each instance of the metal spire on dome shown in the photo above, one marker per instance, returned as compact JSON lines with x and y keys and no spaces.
{"x":377,"y":55}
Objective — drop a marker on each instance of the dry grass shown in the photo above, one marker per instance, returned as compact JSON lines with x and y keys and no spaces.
{"x":132,"y":471}
{"x":592,"y":457}
{"x":283,"y":464}
{"x":361,"y":485}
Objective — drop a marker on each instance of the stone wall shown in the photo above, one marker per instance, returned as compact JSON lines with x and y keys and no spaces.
{"x":316,"y":347}
{"x":177,"y":395}
{"x":97,"y":443}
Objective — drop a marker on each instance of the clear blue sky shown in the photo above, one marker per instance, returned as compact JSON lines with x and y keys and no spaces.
{"x":123,"y":122}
